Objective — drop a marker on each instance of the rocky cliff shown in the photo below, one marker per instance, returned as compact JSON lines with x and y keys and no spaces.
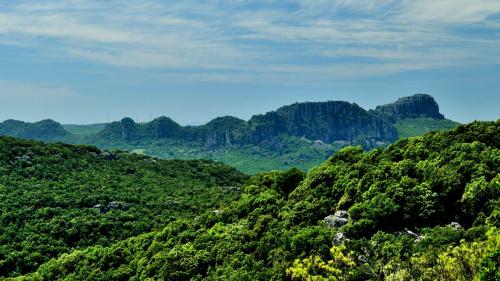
{"x":419,"y":105}
{"x":325,"y":122}
{"x":329,"y":122}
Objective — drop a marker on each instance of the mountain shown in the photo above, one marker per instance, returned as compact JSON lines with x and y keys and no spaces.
{"x":424,"y":208}
{"x":45,"y":130}
{"x":298,"y":135}
{"x":328,"y":122}
{"x":416,"y":106}
{"x":59,"y":197}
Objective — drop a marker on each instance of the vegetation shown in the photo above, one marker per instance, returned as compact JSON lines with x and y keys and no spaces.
{"x":419,"y":126}
{"x":424,"y":208}
{"x":84,"y":130}
{"x":250,"y":159}
{"x":58,"y":197}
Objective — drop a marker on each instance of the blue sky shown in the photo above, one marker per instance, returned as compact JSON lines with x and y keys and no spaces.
{"x":82,"y":61}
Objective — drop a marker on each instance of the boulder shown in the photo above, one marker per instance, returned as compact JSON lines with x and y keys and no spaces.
{"x":455,"y":225}
{"x":338,"y":219}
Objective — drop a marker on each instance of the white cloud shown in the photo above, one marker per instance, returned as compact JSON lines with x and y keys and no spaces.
{"x":225,"y":40}
{"x":460,"y":12}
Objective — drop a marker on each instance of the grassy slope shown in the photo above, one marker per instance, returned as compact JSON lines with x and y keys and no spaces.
{"x":419,"y":126}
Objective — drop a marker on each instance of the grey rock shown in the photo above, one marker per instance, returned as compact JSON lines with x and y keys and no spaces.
{"x":339,"y":238}
{"x":419,"y":105}
{"x":417,"y":236}
{"x":455,"y":225}
{"x":109,"y":155}
{"x":338,"y":219}
{"x":24,"y":158}
{"x":117,"y":205}
{"x":342,"y":214}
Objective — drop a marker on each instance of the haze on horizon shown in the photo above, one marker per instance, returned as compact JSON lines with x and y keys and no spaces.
{"x":84,"y":61}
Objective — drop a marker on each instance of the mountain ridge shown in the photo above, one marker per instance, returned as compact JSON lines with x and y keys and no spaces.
{"x":296,"y":135}
{"x":329,"y":122}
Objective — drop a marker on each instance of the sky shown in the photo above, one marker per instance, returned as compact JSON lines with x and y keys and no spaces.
{"x":95,"y":61}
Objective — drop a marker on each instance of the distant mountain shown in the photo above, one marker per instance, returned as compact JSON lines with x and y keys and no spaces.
{"x":328,"y":122}
{"x":297,"y":135}
{"x":416,"y":106}
{"x":45,"y":130}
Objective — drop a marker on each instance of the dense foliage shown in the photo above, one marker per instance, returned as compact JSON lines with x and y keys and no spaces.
{"x":56,"y":197}
{"x":425,"y":208}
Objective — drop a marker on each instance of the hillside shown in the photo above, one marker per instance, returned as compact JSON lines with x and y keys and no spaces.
{"x":84,"y":130}
{"x":424,"y":208}
{"x":57,"y":198}
{"x":46,"y":130}
{"x":299,"y":135}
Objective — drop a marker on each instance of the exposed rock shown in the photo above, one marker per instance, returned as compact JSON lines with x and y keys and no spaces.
{"x":326,"y":123}
{"x":342,"y":214}
{"x":338,"y":219}
{"x":455,"y":225}
{"x":417,"y":237}
{"x":24,"y":158}
{"x":163,"y":127}
{"x":419,"y":105}
{"x":113,"y":205}
{"x":339,"y":238}
{"x":117,"y":205}
{"x":129,"y":129}
{"x":109,"y":155}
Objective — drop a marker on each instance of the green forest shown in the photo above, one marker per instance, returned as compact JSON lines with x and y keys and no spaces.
{"x":423,"y":208}
{"x":58,"y":197}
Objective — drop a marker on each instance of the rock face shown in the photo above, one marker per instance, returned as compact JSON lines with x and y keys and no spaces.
{"x":322,"y":122}
{"x":129,"y":129}
{"x":329,"y":121}
{"x":419,"y":105}
{"x":163,"y":127}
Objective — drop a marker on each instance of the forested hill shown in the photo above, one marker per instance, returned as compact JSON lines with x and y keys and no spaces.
{"x":424,"y":208}
{"x":57,"y":197}
{"x":46,"y":130}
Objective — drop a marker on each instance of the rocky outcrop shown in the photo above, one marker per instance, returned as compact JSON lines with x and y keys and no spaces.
{"x":419,"y":105}
{"x":163,"y":127}
{"x":340,"y":218}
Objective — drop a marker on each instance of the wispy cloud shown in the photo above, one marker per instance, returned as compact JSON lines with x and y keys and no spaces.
{"x":248,"y":40}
